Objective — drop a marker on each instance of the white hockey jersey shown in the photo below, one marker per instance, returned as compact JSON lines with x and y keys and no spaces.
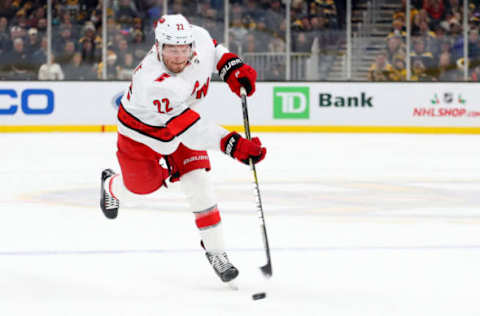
{"x":157,"y":109}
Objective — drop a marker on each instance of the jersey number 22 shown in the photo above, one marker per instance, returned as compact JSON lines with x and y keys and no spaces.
{"x":162,"y":106}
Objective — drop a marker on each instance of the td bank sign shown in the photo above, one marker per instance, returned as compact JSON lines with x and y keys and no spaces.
{"x":340,"y":101}
{"x":291,"y":102}
{"x":294,"y":102}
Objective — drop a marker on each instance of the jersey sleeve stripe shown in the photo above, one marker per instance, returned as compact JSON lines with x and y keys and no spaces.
{"x":173,"y":128}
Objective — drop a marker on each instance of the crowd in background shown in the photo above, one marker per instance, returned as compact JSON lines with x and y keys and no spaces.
{"x":437,"y":43}
{"x":256,"y":26}
{"x":76,"y":39}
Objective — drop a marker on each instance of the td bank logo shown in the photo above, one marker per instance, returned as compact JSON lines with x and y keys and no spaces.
{"x":291,"y":102}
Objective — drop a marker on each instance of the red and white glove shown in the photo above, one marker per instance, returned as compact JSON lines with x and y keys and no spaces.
{"x":242,"y":149}
{"x":233,"y":71}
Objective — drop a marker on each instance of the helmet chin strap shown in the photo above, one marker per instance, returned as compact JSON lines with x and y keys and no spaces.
{"x":159,"y":57}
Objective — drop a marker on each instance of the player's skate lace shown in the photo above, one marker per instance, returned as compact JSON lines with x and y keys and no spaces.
{"x":108,"y":203}
{"x":222,"y":266}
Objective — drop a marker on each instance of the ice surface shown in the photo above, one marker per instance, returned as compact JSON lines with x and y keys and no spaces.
{"x":359,"y":224}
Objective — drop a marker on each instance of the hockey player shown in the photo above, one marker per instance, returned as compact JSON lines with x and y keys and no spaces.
{"x":157,"y":120}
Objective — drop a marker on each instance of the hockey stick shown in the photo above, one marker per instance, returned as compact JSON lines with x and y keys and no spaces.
{"x":267,"y":268}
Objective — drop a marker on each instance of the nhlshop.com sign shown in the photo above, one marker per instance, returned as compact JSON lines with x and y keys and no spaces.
{"x":446,"y":104}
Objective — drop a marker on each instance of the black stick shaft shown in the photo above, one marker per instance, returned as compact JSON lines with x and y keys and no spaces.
{"x":267,"y":268}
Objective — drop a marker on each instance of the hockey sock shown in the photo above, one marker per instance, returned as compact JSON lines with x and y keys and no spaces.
{"x":202,"y":201}
{"x":209,"y":224}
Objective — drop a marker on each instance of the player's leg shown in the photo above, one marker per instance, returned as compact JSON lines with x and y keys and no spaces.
{"x":191,"y":167}
{"x":141,"y":174}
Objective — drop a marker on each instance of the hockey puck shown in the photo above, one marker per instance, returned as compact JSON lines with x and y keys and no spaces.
{"x":259,"y":296}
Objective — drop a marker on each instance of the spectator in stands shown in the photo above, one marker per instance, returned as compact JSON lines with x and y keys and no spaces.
{"x":76,"y":70}
{"x":420,"y":17}
{"x":249,"y":44}
{"x":447,"y":69}
{"x":238,"y":32}
{"x":51,"y":71}
{"x":39,"y":57}
{"x":66,"y":22}
{"x":419,"y":72}
{"x":419,"y":53}
{"x":96,"y":15}
{"x":60,"y":41}
{"x":429,"y":37}
{"x":262,"y":35}
{"x":398,"y":28}
{"x":454,"y":9}
{"x":115,"y":37}
{"x":277,"y":44}
{"x":33,"y":41}
{"x":121,"y":50}
{"x":125,"y":70}
{"x":325,"y":8}
{"x":42,"y":27}
{"x":214,"y":24}
{"x":89,"y":54}
{"x":20,"y":19}
{"x":473,"y":46}
{"x":38,"y":14}
{"x":275,"y":71}
{"x":380,"y":70}
{"x":252,"y":10}
{"x":7,"y":10}
{"x":19,"y":62}
{"x":137,"y":24}
{"x":15,"y":32}
{"x":301,"y":43}
{"x":138,"y":46}
{"x":400,"y":13}
{"x":323,"y":31}
{"x":440,"y":38}
{"x":4,"y":36}
{"x":125,"y":12}
{"x":88,"y":32}
{"x":435,"y":10}
{"x":475,"y":74}
{"x":306,"y":26}
{"x":66,"y":55}
{"x":395,"y":47}
{"x":176,"y":7}
{"x":275,"y":15}
{"x":201,"y":12}
{"x":456,"y":34}
{"x":112,"y":67}
{"x":399,"y":71}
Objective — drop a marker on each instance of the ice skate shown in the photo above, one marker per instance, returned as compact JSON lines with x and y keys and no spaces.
{"x":108,"y":203}
{"x":222,"y":266}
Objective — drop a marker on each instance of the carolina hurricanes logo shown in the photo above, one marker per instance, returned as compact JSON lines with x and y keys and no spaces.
{"x":202,"y":92}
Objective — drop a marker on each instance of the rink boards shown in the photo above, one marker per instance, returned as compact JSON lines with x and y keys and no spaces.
{"x":275,"y":107}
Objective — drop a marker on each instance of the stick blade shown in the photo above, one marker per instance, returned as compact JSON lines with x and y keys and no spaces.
{"x":267,"y":270}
